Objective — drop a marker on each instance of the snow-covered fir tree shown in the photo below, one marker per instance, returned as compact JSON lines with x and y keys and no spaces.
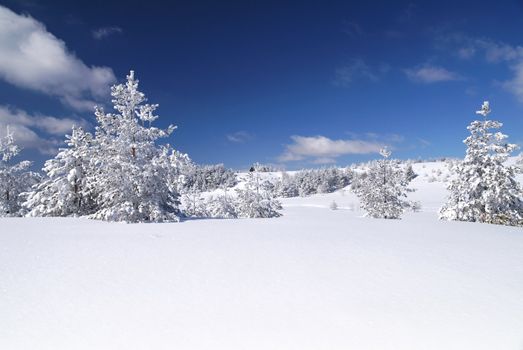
{"x":131,"y":174}
{"x":383,"y":188}
{"x":409,"y":173}
{"x":64,"y":190}
{"x":483,"y":187}
{"x":254,"y":201}
{"x":15,"y":178}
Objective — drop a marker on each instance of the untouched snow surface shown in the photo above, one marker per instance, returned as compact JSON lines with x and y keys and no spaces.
{"x":312,"y":279}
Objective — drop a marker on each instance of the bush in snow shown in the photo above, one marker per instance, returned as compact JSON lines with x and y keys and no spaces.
{"x":64,"y":190}
{"x":483,"y":188}
{"x":334,"y":205}
{"x":382,"y":190}
{"x":222,"y":206}
{"x":131,"y":178}
{"x":253,"y":201}
{"x":15,"y":178}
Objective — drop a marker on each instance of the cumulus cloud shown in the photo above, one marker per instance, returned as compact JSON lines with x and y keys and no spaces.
{"x":104,"y":32}
{"x":32,"y":58}
{"x":324,"y":150}
{"x":431,"y":74}
{"x":239,"y":137}
{"x":29,"y":129}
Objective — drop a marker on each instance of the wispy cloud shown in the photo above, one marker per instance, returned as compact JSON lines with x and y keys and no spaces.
{"x":321,"y":149}
{"x":239,"y":137}
{"x":29,"y":130}
{"x":104,"y":32}
{"x":32,"y":58}
{"x":354,"y":70}
{"x":491,"y":51}
{"x":431,"y":74}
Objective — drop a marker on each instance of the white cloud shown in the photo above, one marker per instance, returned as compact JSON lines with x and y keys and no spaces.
{"x":431,"y":74}
{"x":515,"y":85}
{"x":27,"y":129}
{"x":466,"y":52}
{"x":239,"y":137}
{"x":324,"y":150}
{"x":35,"y":59}
{"x":104,"y":32}
{"x":492,"y":52}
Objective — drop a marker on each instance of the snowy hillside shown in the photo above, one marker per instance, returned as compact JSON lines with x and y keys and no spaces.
{"x":314,"y":278}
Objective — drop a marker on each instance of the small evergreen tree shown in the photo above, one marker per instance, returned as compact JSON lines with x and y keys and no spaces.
{"x":254,"y":201}
{"x":15,"y":179}
{"x":382,"y":190}
{"x":483,"y":188}
{"x":63,"y":192}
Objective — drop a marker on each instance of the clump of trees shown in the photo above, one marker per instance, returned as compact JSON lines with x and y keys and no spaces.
{"x":253,"y":200}
{"x":311,"y":181}
{"x":203,"y":178}
{"x":121,"y":173}
{"x":117,"y":174}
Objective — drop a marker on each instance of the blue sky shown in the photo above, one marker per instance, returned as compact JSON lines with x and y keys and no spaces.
{"x":283,"y":82}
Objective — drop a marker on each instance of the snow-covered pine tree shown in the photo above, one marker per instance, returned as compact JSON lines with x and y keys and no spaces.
{"x":15,"y":178}
{"x":409,"y":173}
{"x":64,"y":190}
{"x":483,"y":187}
{"x":382,"y":190}
{"x":253,"y":201}
{"x":132,"y":172}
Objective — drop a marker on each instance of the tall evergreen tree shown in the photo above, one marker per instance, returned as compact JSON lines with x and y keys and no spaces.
{"x":131,"y":171}
{"x":484,"y":188}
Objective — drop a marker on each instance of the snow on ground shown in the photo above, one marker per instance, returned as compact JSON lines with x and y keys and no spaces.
{"x":313,"y":279}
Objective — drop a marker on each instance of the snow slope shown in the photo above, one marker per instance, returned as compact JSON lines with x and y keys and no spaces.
{"x":312,"y":279}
